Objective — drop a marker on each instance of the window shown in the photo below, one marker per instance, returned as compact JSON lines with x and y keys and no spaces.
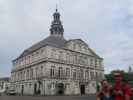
{"x":74,"y":46}
{"x":74,"y":57}
{"x":24,"y":75}
{"x":22,"y":60}
{"x":85,"y":60}
{"x":41,"y":71}
{"x":32,"y":57}
{"x":37,"y":53}
{"x":78,"y":74}
{"x":80,"y":48}
{"x":53,"y":53}
{"x":82,"y":60}
{"x":71,"y":58}
{"x":67,"y":72}
{"x":31,"y":73}
{"x":74,"y":74}
{"x":29,"y":58}
{"x":91,"y":62}
{"x":21,"y":75}
{"x":30,"y":85}
{"x":100,"y":64}
{"x":52,"y":71}
{"x":60,"y":72}
{"x":101,"y":75}
{"x":67,"y":57}
{"x":96,"y":63}
{"x":36,"y":72}
{"x":79,"y":59}
{"x":60,"y":55}
{"x":27,"y":74}
{"x":96,"y":74}
{"x":92,"y":75}
{"x":86,"y":75}
{"x":85,"y":48}
{"x":42,"y":50}
{"x":81,"y":74}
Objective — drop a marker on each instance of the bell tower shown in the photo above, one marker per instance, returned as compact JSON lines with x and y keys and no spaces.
{"x":56,"y":25}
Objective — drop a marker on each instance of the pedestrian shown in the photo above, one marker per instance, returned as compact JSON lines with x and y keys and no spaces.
{"x":105,"y":92}
{"x":121,"y":90}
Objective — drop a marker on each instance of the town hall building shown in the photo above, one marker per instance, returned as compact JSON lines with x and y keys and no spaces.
{"x":56,"y":66}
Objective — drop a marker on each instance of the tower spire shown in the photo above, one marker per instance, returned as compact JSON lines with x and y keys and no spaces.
{"x":56,"y":8}
{"x":56,"y":25}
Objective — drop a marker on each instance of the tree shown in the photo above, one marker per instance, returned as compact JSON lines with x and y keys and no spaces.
{"x":110,"y":79}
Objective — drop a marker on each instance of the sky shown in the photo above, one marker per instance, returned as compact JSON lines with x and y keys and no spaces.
{"x":105,"y":25}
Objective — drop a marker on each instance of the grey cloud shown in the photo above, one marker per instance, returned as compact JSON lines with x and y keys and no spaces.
{"x":105,"y":25}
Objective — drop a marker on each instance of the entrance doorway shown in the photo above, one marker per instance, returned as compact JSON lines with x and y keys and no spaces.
{"x":60,"y":89}
{"x":35,"y":89}
{"x":82,"y":89}
{"x":22,"y":90}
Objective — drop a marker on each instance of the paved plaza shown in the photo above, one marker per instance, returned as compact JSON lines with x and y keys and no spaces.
{"x":47,"y":98}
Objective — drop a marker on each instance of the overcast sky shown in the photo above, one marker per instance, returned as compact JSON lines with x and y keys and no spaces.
{"x":106,"y":25}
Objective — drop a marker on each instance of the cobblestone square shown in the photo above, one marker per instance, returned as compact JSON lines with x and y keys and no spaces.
{"x":47,"y":97}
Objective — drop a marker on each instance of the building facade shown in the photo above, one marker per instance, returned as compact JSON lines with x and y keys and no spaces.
{"x":4,"y":84}
{"x":56,"y":66}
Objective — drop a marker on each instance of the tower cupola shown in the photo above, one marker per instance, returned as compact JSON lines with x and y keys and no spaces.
{"x":56,"y":25}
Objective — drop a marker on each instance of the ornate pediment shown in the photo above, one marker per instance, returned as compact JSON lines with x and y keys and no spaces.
{"x":79,"y":46}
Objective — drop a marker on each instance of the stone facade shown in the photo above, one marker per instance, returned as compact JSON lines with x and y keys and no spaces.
{"x":55,"y":66}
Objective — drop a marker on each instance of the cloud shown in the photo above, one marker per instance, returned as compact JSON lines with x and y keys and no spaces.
{"x":105,"y":25}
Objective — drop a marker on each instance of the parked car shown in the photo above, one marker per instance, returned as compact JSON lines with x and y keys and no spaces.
{"x":11,"y":92}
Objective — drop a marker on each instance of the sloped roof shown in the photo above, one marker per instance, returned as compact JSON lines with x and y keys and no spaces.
{"x":51,"y":40}
{"x":54,"y":41}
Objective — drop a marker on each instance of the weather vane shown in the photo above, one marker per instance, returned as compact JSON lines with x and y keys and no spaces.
{"x":56,"y":7}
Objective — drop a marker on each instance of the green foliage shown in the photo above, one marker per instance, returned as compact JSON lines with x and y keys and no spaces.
{"x":110,"y":79}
